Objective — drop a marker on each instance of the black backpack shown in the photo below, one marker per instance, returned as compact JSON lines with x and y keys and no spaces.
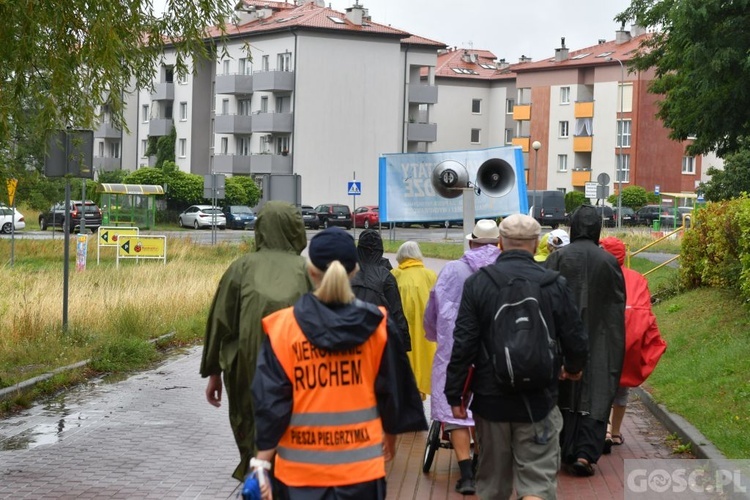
{"x":523,"y":351}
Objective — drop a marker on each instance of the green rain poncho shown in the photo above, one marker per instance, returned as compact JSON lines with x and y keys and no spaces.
{"x":255,"y":285}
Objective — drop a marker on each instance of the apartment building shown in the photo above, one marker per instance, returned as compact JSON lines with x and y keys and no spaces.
{"x":301,"y":90}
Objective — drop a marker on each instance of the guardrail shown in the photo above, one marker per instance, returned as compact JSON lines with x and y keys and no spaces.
{"x":686,"y":224}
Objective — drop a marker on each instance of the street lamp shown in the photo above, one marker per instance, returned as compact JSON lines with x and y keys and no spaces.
{"x":620,"y":129}
{"x":535,"y":145}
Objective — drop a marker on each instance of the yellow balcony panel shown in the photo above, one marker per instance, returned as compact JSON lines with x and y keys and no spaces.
{"x":523,"y":142}
{"x":581,"y":177}
{"x":583,"y":143}
{"x":522,"y":112}
{"x":585,"y":109}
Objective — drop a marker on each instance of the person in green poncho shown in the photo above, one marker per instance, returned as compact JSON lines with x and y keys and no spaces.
{"x":255,"y":285}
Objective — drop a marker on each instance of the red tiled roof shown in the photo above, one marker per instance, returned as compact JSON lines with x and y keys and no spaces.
{"x":457,"y":63}
{"x":420,"y":40}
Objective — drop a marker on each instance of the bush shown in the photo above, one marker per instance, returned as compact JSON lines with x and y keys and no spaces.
{"x":573,"y":200}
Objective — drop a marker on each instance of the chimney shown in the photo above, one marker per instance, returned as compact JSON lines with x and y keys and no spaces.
{"x":637,"y":30}
{"x":622,"y":36}
{"x":602,"y":40}
{"x":524,"y":59}
{"x":561,"y":54}
{"x":466,"y":57}
{"x":501,"y":64}
{"x":355,"y":13}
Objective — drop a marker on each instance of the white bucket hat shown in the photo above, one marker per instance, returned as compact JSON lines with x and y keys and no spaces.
{"x":485,"y":231}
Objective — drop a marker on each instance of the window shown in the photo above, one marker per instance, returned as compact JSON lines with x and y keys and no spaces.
{"x":225,"y":67}
{"x":264,"y":143}
{"x":264,"y":63}
{"x":168,"y":74}
{"x":476,"y":106}
{"x":264,"y":104}
{"x":182,"y":79}
{"x":564,"y":129}
{"x":282,"y":145}
{"x":183,"y":148}
{"x":243,"y":68}
{"x":562,"y":163}
{"x":509,"y":103}
{"x":243,"y":146}
{"x":224,"y":145}
{"x":623,"y":130}
{"x":564,"y":95}
{"x":508,"y":136}
{"x":623,"y":168}
{"x":144,"y":113}
{"x":475,"y":136}
{"x":183,"y":111}
{"x":225,"y":106}
{"x":101,"y":150}
{"x":284,"y":62}
{"x":243,"y":107}
{"x":114,"y":149}
{"x":688,"y":165}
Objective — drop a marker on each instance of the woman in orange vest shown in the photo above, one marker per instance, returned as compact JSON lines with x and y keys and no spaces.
{"x":332,"y":385}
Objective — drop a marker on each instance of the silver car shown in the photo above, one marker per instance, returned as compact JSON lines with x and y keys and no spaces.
{"x":198,"y":216}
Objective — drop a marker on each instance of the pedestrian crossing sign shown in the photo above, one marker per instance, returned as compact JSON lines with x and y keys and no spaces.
{"x":354,"y":188}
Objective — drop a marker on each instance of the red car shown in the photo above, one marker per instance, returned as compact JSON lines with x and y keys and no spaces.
{"x":366,"y":216}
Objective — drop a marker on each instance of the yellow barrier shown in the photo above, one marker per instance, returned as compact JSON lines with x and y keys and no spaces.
{"x":686,"y":224}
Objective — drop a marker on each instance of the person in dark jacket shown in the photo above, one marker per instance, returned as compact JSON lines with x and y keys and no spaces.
{"x":333,"y":385}
{"x":374,"y":282}
{"x":599,"y":290}
{"x":517,"y":432}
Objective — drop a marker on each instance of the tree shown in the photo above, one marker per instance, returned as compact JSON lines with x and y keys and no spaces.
{"x":573,"y":200}
{"x":632,"y":196}
{"x":701,"y":68}
{"x":251,"y":189}
{"x":68,"y":58}
{"x":730,"y":182}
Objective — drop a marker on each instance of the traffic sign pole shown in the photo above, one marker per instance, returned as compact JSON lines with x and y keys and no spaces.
{"x":354,"y":189}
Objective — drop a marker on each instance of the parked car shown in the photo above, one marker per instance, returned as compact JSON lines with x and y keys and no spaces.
{"x":331,"y":214}
{"x":668,"y":218}
{"x":628,"y":216}
{"x":198,"y":216}
{"x":645,"y":216}
{"x":10,"y":218}
{"x":608,"y":219}
{"x":239,"y":216}
{"x":55,"y":216}
{"x":366,"y":216}
{"x":309,"y":217}
{"x":549,"y":209}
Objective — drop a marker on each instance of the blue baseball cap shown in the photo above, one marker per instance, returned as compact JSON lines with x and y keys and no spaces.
{"x":333,"y":244}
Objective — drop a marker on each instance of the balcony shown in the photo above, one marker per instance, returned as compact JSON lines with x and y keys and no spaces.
{"x":580,"y":177}
{"x":423,"y":94}
{"x":233,"y":124}
{"x":107,"y":164}
{"x":275,"y":123}
{"x":232,"y":164}
{"x":421,"y":132}
{"x":105,"y":130}
{"x":234,"y":84}
{"x":584,"y":109}
{"x":253,"y":164}
{"x":273,"y":81}
{"x":583,"y":143}
{"x":522,"y":112}
{"x":159,"y":127}
{"x":163,"y":91}
{"x":523,"y":142}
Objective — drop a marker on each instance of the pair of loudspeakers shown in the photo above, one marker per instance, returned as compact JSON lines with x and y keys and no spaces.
{"x":495,"y":177}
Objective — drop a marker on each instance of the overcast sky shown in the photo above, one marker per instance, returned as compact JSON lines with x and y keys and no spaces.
{"x":508,"y":29}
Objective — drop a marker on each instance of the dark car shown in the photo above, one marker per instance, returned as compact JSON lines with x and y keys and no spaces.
{"x":239,"y":217}
{"x":55,"y":216}
{"x":309,"y":217}
{"x":645,"y":216}
{"x":332,"y":214}
{"x":549,"y":209}
{"x":628,"y":216}
{"x":608,"y":219}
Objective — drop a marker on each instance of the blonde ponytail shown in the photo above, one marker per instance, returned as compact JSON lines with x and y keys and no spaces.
{"x":333,"y":285}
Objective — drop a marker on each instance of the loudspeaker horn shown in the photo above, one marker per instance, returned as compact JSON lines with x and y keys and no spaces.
{"x":449,"y":178}
{"x":496,"y":177}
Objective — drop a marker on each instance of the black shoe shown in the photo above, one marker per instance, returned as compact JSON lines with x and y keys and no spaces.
{"x":582,"y":469}
{"x":466,"y":486}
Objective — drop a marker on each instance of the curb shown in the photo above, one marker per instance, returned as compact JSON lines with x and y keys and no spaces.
{"x":700,"y":445}
{"x":9,"y":392}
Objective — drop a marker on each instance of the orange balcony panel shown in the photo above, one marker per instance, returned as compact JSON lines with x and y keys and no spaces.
{"x":523,"y":142}
{"x":585,"y":109}
{"x":581,"y":177}
{"x":522,"y":112}
{"x":583,"y":144}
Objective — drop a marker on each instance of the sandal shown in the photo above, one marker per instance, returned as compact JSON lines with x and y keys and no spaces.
{"x":620,"y":439}
{"x":608,"y":443}
{"x":582,"y":469}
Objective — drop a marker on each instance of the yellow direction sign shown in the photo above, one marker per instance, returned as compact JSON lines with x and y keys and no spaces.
{"x":110,"y":236}
{"x":142,"y":247}
{"x":11,"y":183}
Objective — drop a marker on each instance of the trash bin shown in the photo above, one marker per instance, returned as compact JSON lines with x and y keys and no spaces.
{"x":657,"y":225}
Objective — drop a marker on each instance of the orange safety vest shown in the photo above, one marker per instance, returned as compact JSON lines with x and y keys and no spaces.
{"x":335,"y":436}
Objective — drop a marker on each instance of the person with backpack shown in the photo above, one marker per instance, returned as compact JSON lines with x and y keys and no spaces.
{"x":375,"y":284}
{"x":439,"y":321}
{"x":519,"y":327}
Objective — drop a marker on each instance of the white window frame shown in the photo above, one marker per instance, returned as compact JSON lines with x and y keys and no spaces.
{"x":225,"y":67}
{"x":144,"y":147}
{"x":145,"y":113}
{"x":478,"y":132}
{"x":623,"y":168}
{"x":563,"y":129}
{"x":476,"y":103}
{"x":509,"y":105}
{"x":508,"y":136}
{"x":264,"y":104}
{"x":624,"y":130}
{"x":264,"y":63}
{"x":562,"y":163}
{"x":243,"y":146}
{"x":225,"y":106}
{"x":224,"y":145}
{"x":101,"y":150}
{"x":183,"y":111}
{"x":564,"y":95}
{"x":182,"y":79}
{"x":182,"y":148}
{"x":114,"y":149}
{"x":688,"y":165}
{"x":284,"y":61}
{"x":243,"y":66}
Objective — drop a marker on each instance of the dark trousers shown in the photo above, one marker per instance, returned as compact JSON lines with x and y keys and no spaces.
{"x":581,"y":437}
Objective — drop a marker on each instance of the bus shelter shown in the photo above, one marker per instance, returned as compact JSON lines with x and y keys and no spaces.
{"x":129,"y":204}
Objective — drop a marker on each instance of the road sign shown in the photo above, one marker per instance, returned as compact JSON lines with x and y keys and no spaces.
{"x":603,"y":178}
{"x":12,"y":183}
{"x":657,"y":189}
{"x":354,"y":188}
{"x":590,"y":190}
{"x":142,"y":247}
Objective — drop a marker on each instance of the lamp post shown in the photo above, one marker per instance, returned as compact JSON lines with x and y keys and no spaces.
{"x":535,"y":145}
{"x":620,"y":129}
